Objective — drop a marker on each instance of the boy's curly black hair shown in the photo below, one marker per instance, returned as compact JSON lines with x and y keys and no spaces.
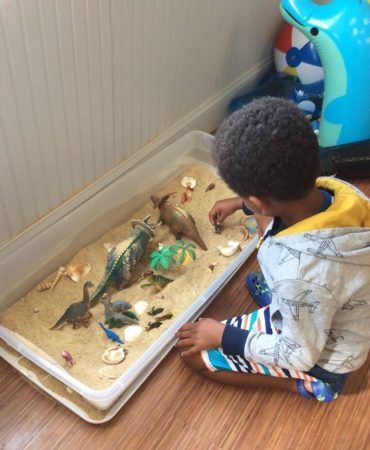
{"x":268,"y":149}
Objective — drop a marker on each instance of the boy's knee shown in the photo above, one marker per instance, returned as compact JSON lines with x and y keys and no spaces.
{"x":194,"y":363}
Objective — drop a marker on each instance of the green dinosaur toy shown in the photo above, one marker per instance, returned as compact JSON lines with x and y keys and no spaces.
{"x":155,"y":280}
{"x":123,"y":257}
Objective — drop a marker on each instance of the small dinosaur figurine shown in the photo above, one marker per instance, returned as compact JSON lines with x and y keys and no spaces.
{"x":179,"y":220}
{"x":111,"y":334}
{"x":152,"y":325}
{"x":116,"y":319}
{"x":157,"y":281}
{"x":123,"y":257}
{"x":77,"y":313}
{"x":119,"y":305}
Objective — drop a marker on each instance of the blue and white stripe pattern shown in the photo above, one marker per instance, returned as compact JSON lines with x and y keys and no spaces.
{"x":259,"y":320}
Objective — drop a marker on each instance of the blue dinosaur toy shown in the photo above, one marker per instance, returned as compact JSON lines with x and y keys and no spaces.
{"x":111,"y":334}
{"x":340,"y":31}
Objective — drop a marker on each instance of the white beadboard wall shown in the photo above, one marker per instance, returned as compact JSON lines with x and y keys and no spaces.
{"x":84,"y":84}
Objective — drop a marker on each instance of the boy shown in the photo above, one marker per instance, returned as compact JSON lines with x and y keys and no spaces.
{"x":314,"y":256}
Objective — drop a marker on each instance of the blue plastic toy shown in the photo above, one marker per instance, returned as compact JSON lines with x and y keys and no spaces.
{"x":111,"y":334}
{"x":340,"y":31}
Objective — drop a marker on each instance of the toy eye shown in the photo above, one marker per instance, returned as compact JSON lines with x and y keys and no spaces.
{"x":314,"y":31}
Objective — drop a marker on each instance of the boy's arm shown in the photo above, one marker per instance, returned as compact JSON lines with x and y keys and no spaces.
{"x":303,"y":312}
{"x":224,"y":208}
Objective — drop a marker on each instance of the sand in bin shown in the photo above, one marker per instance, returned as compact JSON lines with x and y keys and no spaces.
{"x":88,"y":344}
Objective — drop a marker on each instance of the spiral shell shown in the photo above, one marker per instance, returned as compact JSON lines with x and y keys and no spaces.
{"x":114,"y":355}
{"x":59,"y":275}
{"x":77,"y":271}
{"x":44,"y":286}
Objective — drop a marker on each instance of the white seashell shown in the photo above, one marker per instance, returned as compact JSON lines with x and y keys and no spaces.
{"x":114,"y":355}
{"x":77,"y":271}
{"x":230,"y":249}
{"x":132,"y":332}
{"x":141,"y":307}
{"x":189,"y":182}
{"x":106,"y":372}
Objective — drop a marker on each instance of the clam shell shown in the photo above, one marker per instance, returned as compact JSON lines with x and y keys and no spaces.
{"x":114,"y":355}
{"x":189,"y":182}
{"x":140,"y":307}
{"x":230,"y":249}
{"x":245,"y":234}
{"x":106,"y":372}
{"x":77,"y":271}
{"x":132,"y":332}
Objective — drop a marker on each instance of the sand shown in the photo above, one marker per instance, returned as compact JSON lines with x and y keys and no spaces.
{"x":88,"y":344}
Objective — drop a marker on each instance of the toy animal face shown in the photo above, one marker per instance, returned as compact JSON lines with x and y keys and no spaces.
{"x":313,"y":16}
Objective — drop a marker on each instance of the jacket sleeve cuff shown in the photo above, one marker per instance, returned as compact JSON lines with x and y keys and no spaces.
{"x":246,"y":210}
{"x":233,"y":340}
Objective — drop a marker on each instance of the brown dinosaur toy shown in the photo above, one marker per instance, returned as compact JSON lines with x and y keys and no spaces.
{"x":181,"y":222}
{"x":77,"y":313}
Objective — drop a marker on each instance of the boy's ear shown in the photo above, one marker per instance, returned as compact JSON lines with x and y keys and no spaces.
{"x":260,"y":205}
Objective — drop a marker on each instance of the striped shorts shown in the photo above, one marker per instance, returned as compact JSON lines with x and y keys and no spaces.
{"x":259,"y":320}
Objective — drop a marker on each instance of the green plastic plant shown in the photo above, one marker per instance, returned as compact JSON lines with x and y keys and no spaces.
{"x":163,"y":258}
{"x":171,"y":255}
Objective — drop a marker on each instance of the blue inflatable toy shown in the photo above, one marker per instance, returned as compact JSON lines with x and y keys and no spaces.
{"x":340,"y":31}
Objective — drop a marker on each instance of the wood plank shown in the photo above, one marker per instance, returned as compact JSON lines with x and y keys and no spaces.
{"x":177,"y":409}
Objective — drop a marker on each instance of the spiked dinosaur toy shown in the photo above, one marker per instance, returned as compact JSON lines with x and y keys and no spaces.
{"x":123,"y":257}
{"x":77,"y":313}
{"x":179,"y":220}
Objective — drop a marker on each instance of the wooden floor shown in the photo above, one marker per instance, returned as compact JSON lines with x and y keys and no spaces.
{"x":176,"y":409}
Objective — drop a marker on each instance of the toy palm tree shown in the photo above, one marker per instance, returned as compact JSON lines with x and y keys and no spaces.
{"x":185,"y":252}
{"x":180,"y":253}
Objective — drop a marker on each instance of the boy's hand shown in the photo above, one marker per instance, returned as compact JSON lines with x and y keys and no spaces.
{"x":201,"y":335}
{"x":224,"y":208}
